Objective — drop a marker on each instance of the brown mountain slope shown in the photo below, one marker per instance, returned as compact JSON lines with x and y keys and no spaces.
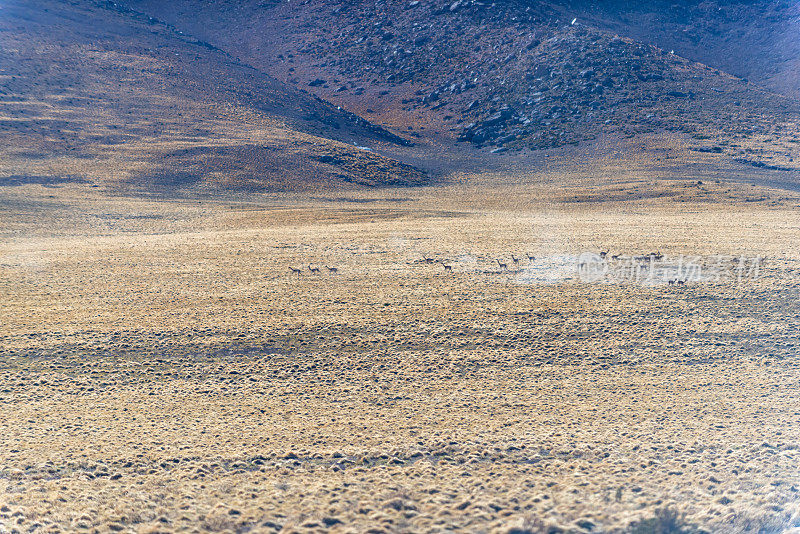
{"x":502,"y":75}
{"x":90,"y":92}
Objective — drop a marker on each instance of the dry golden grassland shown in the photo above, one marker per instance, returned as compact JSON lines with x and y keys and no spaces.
{"x":161,"y":369}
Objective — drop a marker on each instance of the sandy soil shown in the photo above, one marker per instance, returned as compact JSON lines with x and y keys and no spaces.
{"x":161,"y":369}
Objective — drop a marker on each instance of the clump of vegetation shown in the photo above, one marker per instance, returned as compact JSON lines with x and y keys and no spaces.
{"x":665,"y":521}
{"x":530,"y":525}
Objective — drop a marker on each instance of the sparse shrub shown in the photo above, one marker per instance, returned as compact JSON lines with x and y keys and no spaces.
{"x":218,"y":523}
{"x":665,"y":521}
{"x":533,"y":525}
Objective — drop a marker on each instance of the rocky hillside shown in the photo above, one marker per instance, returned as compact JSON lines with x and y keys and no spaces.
{"x":758,"y":40}
{"x":95,"y":93}
{"x":507,"y":75}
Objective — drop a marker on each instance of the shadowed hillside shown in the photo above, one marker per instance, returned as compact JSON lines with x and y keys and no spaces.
{"x":96,"y":94}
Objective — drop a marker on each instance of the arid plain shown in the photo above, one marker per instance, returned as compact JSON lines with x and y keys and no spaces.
{"x":162,"y":368}
{"x":510,"y":267}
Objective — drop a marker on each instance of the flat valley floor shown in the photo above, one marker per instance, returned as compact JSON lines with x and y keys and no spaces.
{"x":163,"y":370}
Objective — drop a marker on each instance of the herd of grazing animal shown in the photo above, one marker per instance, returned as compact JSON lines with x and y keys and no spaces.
{"x":651,"y":257}
{"x":313,"y":270}
{"x":448,"y":268}
{"x":503,"y":265}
